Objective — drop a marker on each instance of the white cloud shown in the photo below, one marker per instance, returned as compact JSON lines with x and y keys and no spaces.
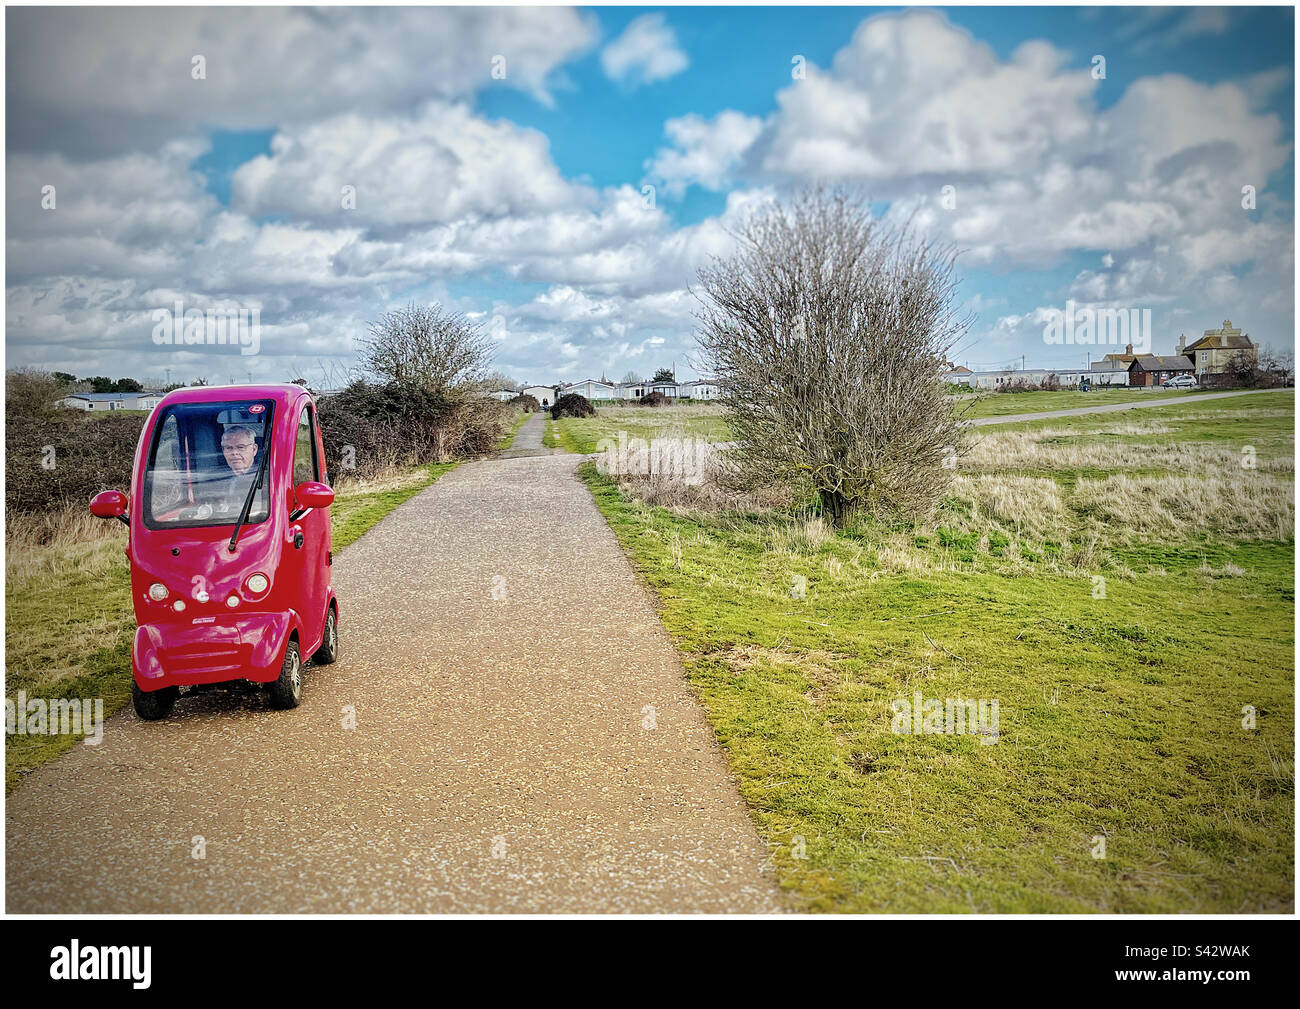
{"x":704,"y":152}
{"x":646,"y":51}
{"x":109,"y":79}
{"x":438,"y":165}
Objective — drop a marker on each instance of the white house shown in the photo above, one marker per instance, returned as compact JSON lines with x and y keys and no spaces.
{"x":503,"y":394}
{"x":544,"y":394}
{"x":700,"y":388}
{"x":591,"y":389}
{"x":1035,"y":376}
{"x":98,"y":402}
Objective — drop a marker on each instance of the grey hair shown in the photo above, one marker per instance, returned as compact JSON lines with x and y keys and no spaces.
{"x":236,"y":429}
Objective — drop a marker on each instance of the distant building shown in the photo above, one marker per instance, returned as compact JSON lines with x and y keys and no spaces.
{"x":700,"y":388}
{"x":503,"y":394}
{"x":1215,"y":351}
{"x":544,"y":394}
{"x":98,"y":402}
{"x":1011,"y":377}
{"x":1150,"y":370}
{"x":591,"y":388}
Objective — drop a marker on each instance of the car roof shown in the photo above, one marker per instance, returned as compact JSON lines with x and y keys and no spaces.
{"x":281,"y":393}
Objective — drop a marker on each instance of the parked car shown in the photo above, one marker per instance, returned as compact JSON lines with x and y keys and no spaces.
{"x":1179,"y":382}
{"x":229,"y":544}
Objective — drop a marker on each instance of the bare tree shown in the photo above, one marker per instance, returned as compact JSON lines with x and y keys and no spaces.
{"x":826,"y":331}
{"x":429,"y":348}
{"x":632,"y":377}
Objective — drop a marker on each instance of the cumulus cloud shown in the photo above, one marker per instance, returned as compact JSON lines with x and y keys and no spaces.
{"x":438,"y":165}
{"x":93,"y":80}
{"x":704,"y":152}
{"x":646,"y":51}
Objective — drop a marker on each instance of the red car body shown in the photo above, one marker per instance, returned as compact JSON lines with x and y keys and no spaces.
{"x":211,"y":626}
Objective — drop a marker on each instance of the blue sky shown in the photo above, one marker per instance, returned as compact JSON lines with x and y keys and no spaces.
{"x":519,"y":200}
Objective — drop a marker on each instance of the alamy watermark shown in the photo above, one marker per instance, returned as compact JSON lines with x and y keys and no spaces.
{"x":681,"y":459}
{"x":58,"y":716}
{"x":947,"y":717}
{"x":213,"y":327}
{"x":1090,"y":326}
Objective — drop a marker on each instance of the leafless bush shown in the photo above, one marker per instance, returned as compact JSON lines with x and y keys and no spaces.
{"x":826,"y":331}
{"x":430,"y":349}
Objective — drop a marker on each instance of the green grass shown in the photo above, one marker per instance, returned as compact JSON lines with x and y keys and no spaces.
{"x":707,"y":420}
{"x":582,"y":435}
{"x":1001,"y":404}
{"x":69,"y":620}
{"x":1120,"y":699}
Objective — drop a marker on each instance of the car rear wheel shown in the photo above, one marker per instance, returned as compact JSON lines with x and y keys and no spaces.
{"x":152,"y":705}
{"x":329,"y":647}
{"x":286,"y":692}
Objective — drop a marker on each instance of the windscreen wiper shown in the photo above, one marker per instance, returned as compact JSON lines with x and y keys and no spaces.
{"x":248,"y":501}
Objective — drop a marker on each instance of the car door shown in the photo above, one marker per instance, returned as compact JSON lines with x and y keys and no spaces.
{"x":310,"y":533}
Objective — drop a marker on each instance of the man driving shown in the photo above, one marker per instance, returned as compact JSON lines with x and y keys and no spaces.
{"x":239,"y":447}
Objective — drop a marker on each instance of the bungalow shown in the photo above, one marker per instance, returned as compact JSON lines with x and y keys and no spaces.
{"x":700,"y":388}
{"x":96,"y":402}
{"x":957,"y":375}
{"x":1038,"y":376}
{"x":1150,"y":370}
{"x":503,"y":394}
{"x":591,"y":388}
{"x":544,"y":394}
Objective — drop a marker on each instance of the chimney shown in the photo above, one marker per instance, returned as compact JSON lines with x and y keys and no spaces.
{"x":1182,"y":342}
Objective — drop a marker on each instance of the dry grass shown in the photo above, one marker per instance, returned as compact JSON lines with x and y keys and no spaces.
{"x":1247,"y":507}
{"x":1023,"y":504}
{"x":1037,"y":450}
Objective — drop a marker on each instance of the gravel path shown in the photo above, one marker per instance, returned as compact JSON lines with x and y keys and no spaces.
{"x":524,"y":741}
{"x":1017,"y":418}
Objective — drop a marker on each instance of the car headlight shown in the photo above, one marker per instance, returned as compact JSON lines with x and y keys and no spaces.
{"x":158,"y":592}
{"x":258,"y":583}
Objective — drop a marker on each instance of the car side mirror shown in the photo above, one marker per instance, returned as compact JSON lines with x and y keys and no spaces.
{"x":312,"y":494}
{"x":110,"y":504}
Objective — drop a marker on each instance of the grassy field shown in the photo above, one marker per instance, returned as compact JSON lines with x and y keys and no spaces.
{"x":706,"y":420}
{"x":1122,"y":587}
{"x":1002,"y":404}
{"x":582,"y":435}
{"x":69,"y":621}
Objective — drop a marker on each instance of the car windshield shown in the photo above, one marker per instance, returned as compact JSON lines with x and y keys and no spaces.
{"x":203,"y":460}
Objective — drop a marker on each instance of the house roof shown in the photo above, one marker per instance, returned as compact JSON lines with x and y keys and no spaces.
{"x":1220,"y":340}
{"x":105,"y":397}
{"x":1153,"y":362}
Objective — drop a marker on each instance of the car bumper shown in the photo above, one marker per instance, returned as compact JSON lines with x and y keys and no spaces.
{"x":250,"y":647}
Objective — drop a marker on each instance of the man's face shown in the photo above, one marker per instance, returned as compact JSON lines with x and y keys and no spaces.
{"x":239,"y":451}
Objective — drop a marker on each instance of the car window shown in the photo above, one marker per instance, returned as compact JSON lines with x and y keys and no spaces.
{"x":304,"y":451}
{"x":204,"y":463}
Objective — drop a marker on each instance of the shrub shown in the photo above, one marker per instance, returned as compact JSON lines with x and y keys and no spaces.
{"x":525,"y":402}
{"x":55,"y":456}
{"x":572,"y":405}
{"x":655,"y":398}
{"x":370,"y":428}
{"x":826,"y":330}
